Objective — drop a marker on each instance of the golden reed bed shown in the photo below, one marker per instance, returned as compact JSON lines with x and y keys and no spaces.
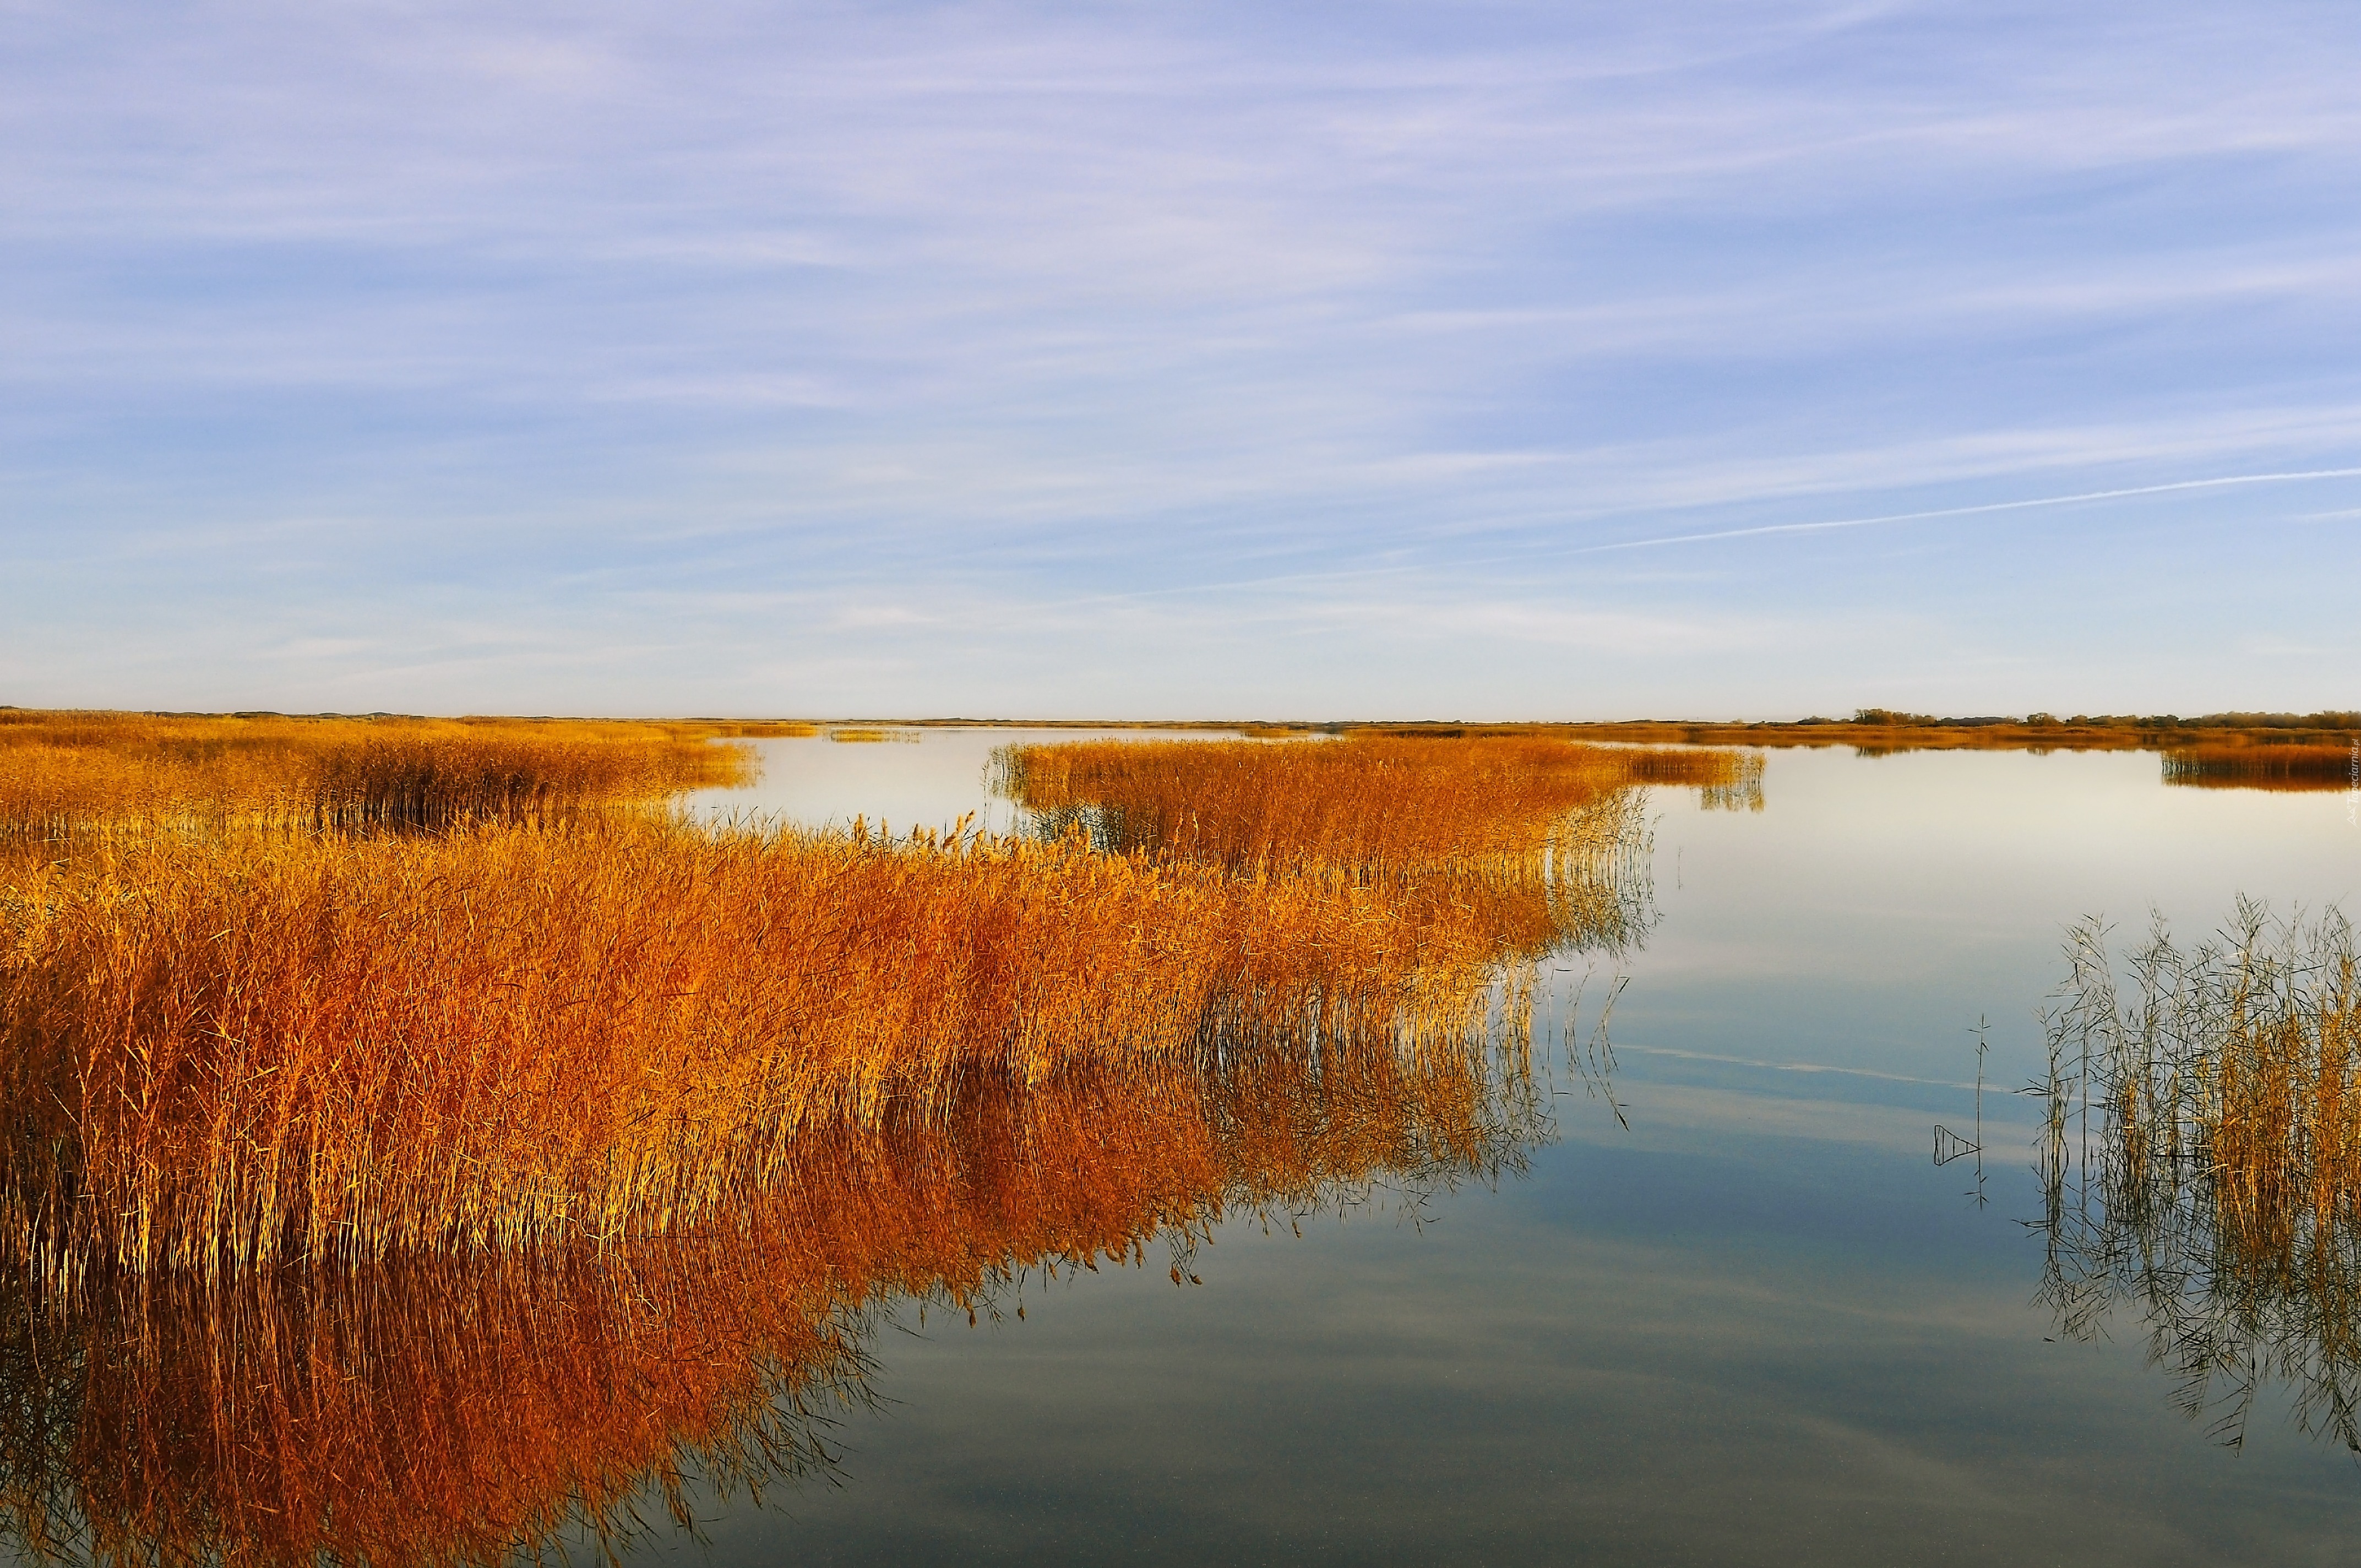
{"x":430,"y":1412}
{"x":1543,"y":842}
{"x":223,"y":1051}
{"x":67,"y":773}
{"x":2235,"y":764}
{"x":1364,"y":800}
{"x":251,"y":1029}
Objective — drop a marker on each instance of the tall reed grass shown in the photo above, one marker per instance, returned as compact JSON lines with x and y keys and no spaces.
{"x":2261,"y":766}
{"x":65,"y":775}
{"x":432,"y":1413}
{"x":1361,"y":800}
{"x":1548,"y":841}
{"x":242,"y":1027}
{"x":2201,"y":1162}
{"x":222,"y":1049}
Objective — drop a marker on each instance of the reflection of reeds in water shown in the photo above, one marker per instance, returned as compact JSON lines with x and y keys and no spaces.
{"x":431,"y":1412}
{"x":2202,"y":1163}
{"x":222,"y":1048}
{"x":2253,"y":766}
{"x":65,"y":775}
{"x":423,"y":1412}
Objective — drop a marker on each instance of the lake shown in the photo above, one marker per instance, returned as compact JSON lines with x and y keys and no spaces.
{"x":1750,"y":1322}
{"x":1422,"y":1151}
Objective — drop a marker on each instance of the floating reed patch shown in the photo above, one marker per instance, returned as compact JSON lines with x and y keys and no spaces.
{"x":2201,"y":1162}
{"x":759,"y":729}
{"x":908,"y":736}
{"x":1363,"y":800}
{"x":225,"y":1049}
{"x":65,"y":775}
{"x":1548,"y":841}
{"x":2262,"y":765}
{"x":426,"y":1412}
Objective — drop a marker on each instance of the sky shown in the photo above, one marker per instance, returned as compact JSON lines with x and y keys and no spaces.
{"x":1560,"y":360}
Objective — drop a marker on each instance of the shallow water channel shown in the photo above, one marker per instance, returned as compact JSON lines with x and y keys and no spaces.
{"x":1751,"y":1321}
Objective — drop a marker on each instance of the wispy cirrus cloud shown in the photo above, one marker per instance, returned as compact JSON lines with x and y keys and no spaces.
{"x":416,"y":318}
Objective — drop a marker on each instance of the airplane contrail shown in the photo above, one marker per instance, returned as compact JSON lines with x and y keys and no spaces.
{"x":1974,"y":510}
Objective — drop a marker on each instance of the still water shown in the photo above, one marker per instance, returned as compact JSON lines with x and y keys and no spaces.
{"x":1748,"y":1321}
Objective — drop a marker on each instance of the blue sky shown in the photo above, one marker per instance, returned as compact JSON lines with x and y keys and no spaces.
{"x":1130,"y":360}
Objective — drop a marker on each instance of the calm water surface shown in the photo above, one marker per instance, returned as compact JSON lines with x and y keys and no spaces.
{"x":1757,"y":1324}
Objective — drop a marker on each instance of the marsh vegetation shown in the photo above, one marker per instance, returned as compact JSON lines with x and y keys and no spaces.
{"x":426,"y":1143}
{"x":252,"y":1028}
{"x":64,"y":776}
{"x":2200,"y":1162}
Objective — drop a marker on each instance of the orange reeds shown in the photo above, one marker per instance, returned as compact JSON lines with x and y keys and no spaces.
{"x":2222,"y":1191}
{"x":1543,"y":838}
{"x":225,"y":1049}
{"x":228,"y":1043}
{"x":63,"y":774}
{"x":2261,"y":766}
{"x":1363,"y":800}
{"x":425,"y":1413}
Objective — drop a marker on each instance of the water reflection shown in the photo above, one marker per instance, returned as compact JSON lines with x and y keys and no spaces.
{"x":463,"y":1409}
{"x":2201,"y":1164}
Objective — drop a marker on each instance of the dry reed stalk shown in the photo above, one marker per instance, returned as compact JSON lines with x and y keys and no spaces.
{"x":227,"y":1048}
{"x":425,"y":1413}
{"x":67,"y":776}
{"x":2223,"y":1194}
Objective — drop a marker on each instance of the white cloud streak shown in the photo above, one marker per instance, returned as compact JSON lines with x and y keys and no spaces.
{"x":1986,"y":508}
{"x":555,"y":311}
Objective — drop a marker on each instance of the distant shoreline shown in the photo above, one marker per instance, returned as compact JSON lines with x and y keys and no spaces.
{"x":1892,"y":732}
